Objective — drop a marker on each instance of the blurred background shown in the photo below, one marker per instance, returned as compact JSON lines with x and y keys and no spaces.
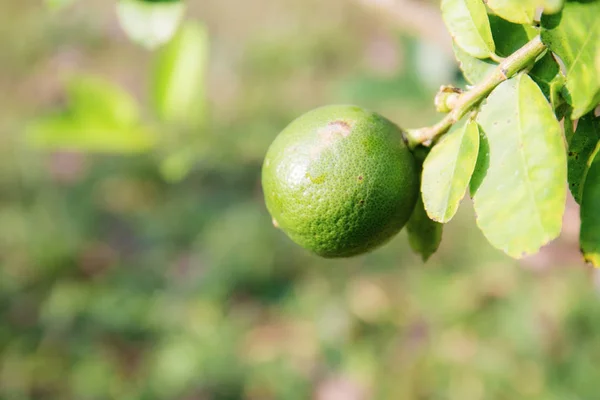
{"x":137,"y":259}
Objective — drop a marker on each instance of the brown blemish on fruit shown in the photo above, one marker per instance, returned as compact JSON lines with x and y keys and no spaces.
{"x":330,"y":133}
{"x":334,"y":130}
{"x":360,"y":178}
{"x":361,"y":202}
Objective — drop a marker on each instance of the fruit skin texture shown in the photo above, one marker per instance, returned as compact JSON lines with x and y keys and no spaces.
{"x":340,"y":181}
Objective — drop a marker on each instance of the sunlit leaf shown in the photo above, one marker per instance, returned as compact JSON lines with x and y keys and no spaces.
{"x":424,"y":235}
{"x":473,"y":68}
{"x":574,"y":35}
{"x":68,"y":132}
{"x":581,"y":147}
{"x":516,"y":11}
{"x":520,"y":196}
{"x":552,"y":6}
{"x":93,"y":98}
{"x":447,"y":170}
{"x":178,"y":81}
{"x":100,"y":117}
{"x":589,"y":237}
{"x":468,"y":24}
{"x":150,"y":23}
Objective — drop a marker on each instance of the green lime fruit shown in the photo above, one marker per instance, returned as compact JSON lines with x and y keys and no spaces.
{"x":340,"y":181}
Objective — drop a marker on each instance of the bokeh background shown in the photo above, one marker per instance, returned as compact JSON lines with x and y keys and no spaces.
{"x":157,"y":274}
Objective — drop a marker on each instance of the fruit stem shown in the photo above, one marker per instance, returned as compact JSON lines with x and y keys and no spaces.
{"x":511,"y":65}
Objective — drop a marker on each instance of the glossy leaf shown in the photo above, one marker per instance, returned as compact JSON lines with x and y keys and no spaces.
{"x":575,"y":36}
{"x":516,"y":11}
{"x":581,"y":147}
{"x":150,"y":23}
{"x":552,"y":6}
{"x":468,"y":24}
{"x":447,"y":170}
{"x":474,"y":69}
{"x":589,"y":236}
{"x":178,"y":81}
{"x":519,"y":193}
{"x":424,"y":235}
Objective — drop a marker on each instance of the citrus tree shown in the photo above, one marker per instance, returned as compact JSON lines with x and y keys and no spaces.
{"x":523,"y":131}
{"x":509,"y":139}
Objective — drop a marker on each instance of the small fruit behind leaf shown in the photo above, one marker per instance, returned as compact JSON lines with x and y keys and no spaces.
{"x":340,"y":181}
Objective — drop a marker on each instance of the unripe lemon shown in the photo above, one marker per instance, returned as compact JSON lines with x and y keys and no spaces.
{"x":340,"y":181}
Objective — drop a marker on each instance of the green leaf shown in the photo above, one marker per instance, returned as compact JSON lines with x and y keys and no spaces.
{"x":447,"y":170}
{"x":178,"y":81}
{"x":555,"y":88}
{"x":509,"y":37}
{"x":93,"y":98}
{"x":468,"y":24}
{"x":545,"y":73}
{"x":474,"y":69}
{"x":581,"y":147}
{"x":567,"y":126}
{"x":424,"y":235}
{"x":101,"y":117}
{"x":520,"y":197}
{"x":67,"y":132}
{"x":482,"y":164}
{"x":574,"y":35}
{"x":589,"y":235}
{"x":150,"y":23}
{"x":552,"y":6}
{"x":516,"y":11}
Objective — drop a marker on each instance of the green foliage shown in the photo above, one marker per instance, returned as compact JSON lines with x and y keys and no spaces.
{"x":518,"y":183}
{"x":546,"y":73}
{"x":590,"y":217}
{"x":424,"y":234}
{"x":447,"y":170}
{"x":178,"y":81}
{"x":469,"y":26}
{"x":574,"y":35}
{"x":115,"y":284}
{"x":521,"y":199}
{"x":100,"y":117}
{"x":473,"y":68}
{"x":515,"y":11}
{"x":581,"y":147}
{"x":509,"y":36}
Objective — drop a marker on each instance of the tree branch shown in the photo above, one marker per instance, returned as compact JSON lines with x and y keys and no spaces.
{"x":511,"y":65}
